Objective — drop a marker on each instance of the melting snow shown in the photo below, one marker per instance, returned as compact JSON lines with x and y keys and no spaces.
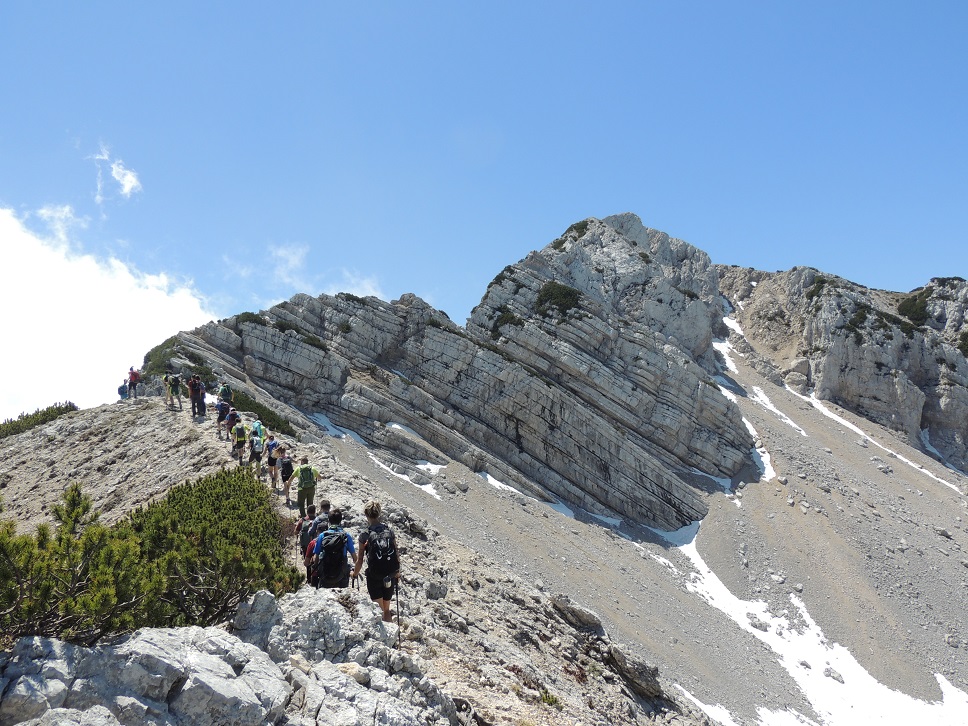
{"x":815,"y":402}
{"x":860,"y":698}
{"x":429,"y":488}
{"x":724,"y":348}
{"x":494,"y":482}
{"x":335,"y":431}
{"x":734,"y":326}
{"x":762,"y":399}
{"x":432,"y":469}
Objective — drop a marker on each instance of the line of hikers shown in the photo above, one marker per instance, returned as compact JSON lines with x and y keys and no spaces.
{"x":331,"y":559}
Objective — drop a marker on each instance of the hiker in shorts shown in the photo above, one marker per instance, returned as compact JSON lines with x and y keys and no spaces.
{"x":256,"y":448}
{"x":378,"y":546}
{"x":225,"y":393}
{"x":306,"y":477}
{"x":173,"y":384}
{"x":239,"y":436}
{"x":286,"y":469}
{"x":231,"y":418}
{"x":329,"y":565}
{"x":221,"y":412}
{"x":271,"y":461}
{"x":133,"y":378}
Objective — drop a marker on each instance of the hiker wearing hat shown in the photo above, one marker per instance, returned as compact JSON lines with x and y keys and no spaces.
{"x":133,"y":378}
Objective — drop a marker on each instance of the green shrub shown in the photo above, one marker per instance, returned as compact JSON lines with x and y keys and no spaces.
{"x":915,"y":307}
{"x":315,"y":342}
{"x":555,"y":295}
{"x":350,"y":297}
{"x":250,"y":318}
{"x":506,"y":317}
{"x":645,"y":257}
{"x":27,"y":421}
{"x":579,"y":228}
{"x":188,"y":559}
{"x":273,"y":421}
{"x":817,"y":288}
{"x":156,"y":359}
{"x":345,"y":328}
{"x":215,"y":542}
{"x":284,"y":326}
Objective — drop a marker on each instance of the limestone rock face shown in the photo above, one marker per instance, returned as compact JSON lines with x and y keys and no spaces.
{"x":584,"y":374}
{"x":890,"y":357}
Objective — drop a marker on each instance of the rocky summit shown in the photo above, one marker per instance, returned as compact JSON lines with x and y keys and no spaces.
{"x":636,"y":487}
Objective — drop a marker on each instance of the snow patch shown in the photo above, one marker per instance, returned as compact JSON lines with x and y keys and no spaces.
{"x":761,"y":398}
{"x":724,"y":348}
{"x":335,"y":431}
{"x":494,"y":482}
{"x":428,"y":488}
{"x":853,"y":697}
{"x":734,"y":326}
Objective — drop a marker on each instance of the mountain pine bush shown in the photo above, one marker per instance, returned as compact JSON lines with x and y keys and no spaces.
{"x":188,"y":559}
{"x":27,"y":421}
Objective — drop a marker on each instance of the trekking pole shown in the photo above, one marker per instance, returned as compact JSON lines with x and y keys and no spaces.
{"x":396,"y":586}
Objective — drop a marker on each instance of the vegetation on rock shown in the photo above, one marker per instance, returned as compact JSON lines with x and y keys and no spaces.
{"x":272,"y":420}
{"x":555,"y":295}
{"x":188,"y":559}
{"x":915,"y":307}
{"x":27,"y":421}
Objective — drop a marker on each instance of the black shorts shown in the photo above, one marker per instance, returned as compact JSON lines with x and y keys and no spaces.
{"x":375,"y":587}
{"x":270,"y":461}
{"x":255,"y":456}
{"x":221,"y":417}
{"x":239,"y":445}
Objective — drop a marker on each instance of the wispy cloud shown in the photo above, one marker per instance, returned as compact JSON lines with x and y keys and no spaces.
{"x":289,"y":267}
{"x":356,"y":284}
{"x":127,"y":179}
{"x":61,"y":222}
{"x":102,"y":305}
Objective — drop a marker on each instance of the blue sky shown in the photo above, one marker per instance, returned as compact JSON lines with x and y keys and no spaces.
{"x":233,"y":154}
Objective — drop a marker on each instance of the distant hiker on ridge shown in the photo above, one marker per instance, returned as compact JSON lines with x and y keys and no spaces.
{"x":196,"y":392}
{"x":123,"y":389}
{"x":173,"y":386}
{"x":133,"y":378}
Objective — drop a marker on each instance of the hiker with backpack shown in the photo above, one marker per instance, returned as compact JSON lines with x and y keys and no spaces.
{"x":123,"y":390}
{"x":328,"y":564}
{"x":196,"y":392}
{"x":378,"y":546}
{"x":225,"y":393}
{"x":239,"y":436}
{"x":256,"y":447}
{"x":321,"y":522}
{"x":133,"y":379}
{"x":271,"y":461}
{"x":301,"y":530}
{"x":306,"y":477}
{"x":173,"y":386}
{"x":286,"y":469}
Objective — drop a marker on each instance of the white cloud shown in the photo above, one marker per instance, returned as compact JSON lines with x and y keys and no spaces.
{"x":289,"y":264}
{"x":126,"y":178}
{"x":356,"y":284}
{"x":61,"y":221}
{"x":76,"y":323}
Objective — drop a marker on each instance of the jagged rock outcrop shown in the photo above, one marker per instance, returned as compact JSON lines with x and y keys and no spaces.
{"x":600,"y":398}
{"x":896,"y":359}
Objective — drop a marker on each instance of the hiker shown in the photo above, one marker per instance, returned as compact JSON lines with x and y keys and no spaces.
{"x":195,"y":393}
{"x":239,"y":438}
{"x":301,"y":529}
{"x":222,"y":412}
{"x":285,"y":469}
{"x":329,"y":566}
{"x":225,"y":393}
{"x":133,"y":378}
{"x":257,"y":426}
{"x":201,"y":397}
{"x":123,"y":389}
{"x":306,"y":477}
{"x":321,"y":522}
{"x":256,"y":447}
{"x":173,"y":384}
{"x":379,"y":545}
{"x":231,"y":418}
{"x":271,"y":461}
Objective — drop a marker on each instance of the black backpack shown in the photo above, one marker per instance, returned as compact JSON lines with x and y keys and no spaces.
{"x":381,"y":551}
{"x":304,"y":536}
{"x":332,"y":569}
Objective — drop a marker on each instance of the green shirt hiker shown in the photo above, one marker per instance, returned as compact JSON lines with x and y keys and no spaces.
{"x":305,"y":476}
